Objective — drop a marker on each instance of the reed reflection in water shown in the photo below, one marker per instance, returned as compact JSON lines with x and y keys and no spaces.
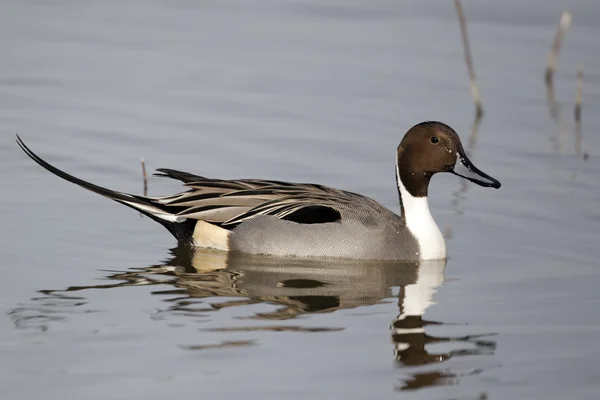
{"x":201,"y":282}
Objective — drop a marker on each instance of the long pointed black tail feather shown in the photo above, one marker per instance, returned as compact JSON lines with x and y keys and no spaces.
{"x":179,"y":227}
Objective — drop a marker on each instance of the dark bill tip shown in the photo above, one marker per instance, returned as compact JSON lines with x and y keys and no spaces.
{"x":465,"y":169}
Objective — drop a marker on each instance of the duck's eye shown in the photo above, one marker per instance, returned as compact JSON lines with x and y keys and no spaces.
{"x":434,"y":139}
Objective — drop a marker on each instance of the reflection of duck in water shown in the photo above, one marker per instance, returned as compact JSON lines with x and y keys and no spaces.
{"x":408,"y":328}
{"x":194,"y":279}
{"x":307,"y":287}
{"x":301,"y":286}
{"x":298,"y":287}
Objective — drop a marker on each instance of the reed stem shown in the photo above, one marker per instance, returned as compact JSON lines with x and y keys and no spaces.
{"x":468,"y":59}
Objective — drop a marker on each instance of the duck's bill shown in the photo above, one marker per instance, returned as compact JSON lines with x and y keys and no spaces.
{"x":465,"y":169}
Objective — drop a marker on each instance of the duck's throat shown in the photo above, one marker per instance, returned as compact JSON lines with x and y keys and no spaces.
{"x":420,"y":223}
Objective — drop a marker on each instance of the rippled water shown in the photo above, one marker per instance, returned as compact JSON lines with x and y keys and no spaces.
{"x":95,"y":304}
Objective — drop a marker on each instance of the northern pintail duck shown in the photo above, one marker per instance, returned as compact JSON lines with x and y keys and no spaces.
{"x":309,"y":220}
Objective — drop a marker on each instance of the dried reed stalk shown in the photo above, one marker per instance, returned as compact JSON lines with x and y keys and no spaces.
{"x":563,"y":27}
{"x":145,"y":177}
{"x":468,"y":59}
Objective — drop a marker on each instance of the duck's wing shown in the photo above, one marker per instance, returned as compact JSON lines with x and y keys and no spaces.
{"x":227,"y":203}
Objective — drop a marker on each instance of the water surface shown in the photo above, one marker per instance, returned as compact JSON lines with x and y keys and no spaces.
{"x":97,"y":304}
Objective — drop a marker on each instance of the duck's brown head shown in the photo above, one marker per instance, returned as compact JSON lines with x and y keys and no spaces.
{"x":431,"y":147}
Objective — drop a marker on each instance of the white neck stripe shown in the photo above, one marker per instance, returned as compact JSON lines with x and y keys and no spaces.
{"x":421,"y":225}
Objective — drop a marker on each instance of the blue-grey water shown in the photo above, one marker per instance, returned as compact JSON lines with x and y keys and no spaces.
{"x":94,"y":301}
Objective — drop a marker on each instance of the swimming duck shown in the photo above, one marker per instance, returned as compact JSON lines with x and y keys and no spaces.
{"x":309,"y":220}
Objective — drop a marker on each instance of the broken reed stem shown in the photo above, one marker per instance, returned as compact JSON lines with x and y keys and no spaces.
{"x":563,"y":27}
{"x":578,"y":105}
{"x":145,"y":176}
{"x":579,"y":95}
{"x":468,"y":59}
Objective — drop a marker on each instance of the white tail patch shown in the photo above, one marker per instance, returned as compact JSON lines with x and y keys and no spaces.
{"x":211,"y":236}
